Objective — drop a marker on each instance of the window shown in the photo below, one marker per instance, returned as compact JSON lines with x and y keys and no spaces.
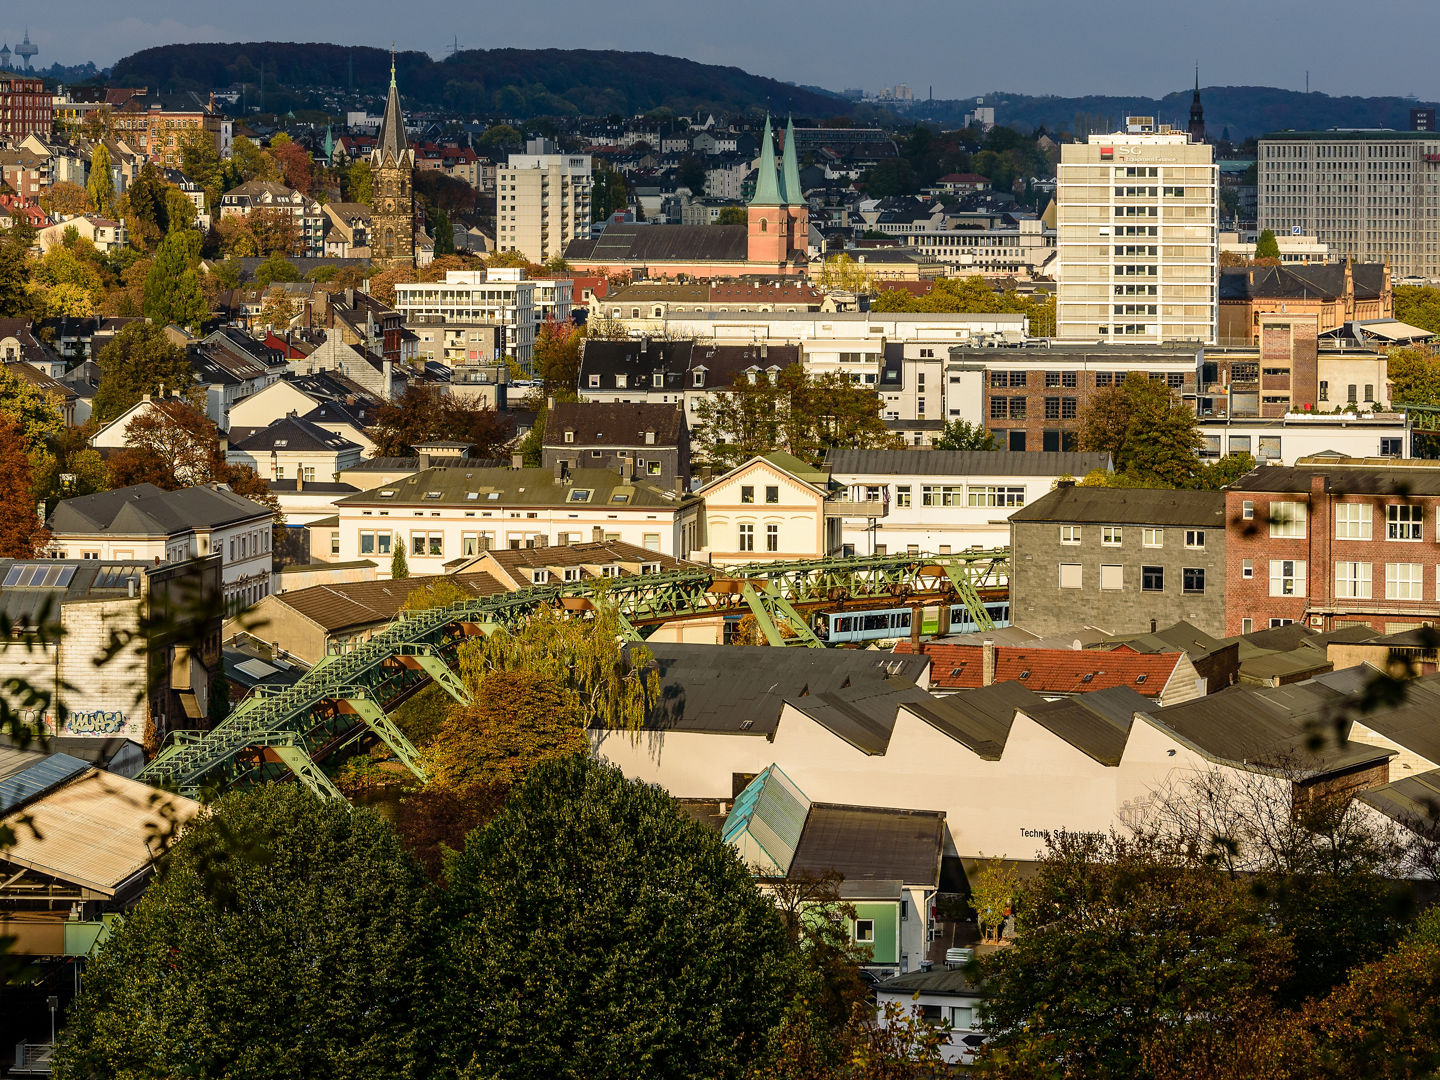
{"x":1247,"y":508}
{"x":747,"y":537}
{"x":469,"y":543}
{"x":1112,"y":577}
{"x":569,"y":435}
{"x":1269,"y":449}
{"x":594,"y":382}
{"x":865,"y":930}
{"x":1353,"y":521}
{"x":1195,"y":539}
{"x":1052,"y":378}
{"x":417,"y":543}
{"x":1247,"y":625}
{"x":1404,"y":581}
{"x":1152,"y":579}
{"x":335,"y":542}
{"x":1247,"y":568}
{"x":1069,"y":534}
{"x":1070,"y":576}
{"x":1403,"y":522}
{"x":1392,"y":447}
{"x":1280,"y":622}
{"x":1110,"y":535}
{"x":1287,"y":520}
{"x":994,"y":496}
{"x":650,"y":541}
{"x":902,"y":495}
{"x":1324,"y":390}
{"x":1287,"y":577}
{"x":1352,"y":581}
{"x":580,"y":495}
{"x":1152,"y":538}
{"x":1052,"y":408}
{"x":772,"y":494}
{"x":942,"y":495}
{"x":962,"y":1017}
{"x":747,"y":494}
{"x":772,"y":537}
{"x":1192,"y":579}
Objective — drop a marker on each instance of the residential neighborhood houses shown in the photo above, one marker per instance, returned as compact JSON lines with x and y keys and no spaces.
{"x":883,"y":518}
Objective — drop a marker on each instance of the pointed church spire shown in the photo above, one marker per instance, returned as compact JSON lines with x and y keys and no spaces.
{"x":1197,"y":112}
{"x":789,"y":169}
{"x":329,"y":140}
{"x":767,"y":182}
{"x":391,"y":142}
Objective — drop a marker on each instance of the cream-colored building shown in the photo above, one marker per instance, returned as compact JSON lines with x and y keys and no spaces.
{"x":768,"y":509}
{"x":542,"y":201}
{"x":1136,"y":238}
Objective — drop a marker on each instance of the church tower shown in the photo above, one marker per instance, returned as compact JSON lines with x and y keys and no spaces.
{"x":767,"y":213}
{"x":1197,"y":112}
{"x":798,"y":217}
{"x":392,"y":162}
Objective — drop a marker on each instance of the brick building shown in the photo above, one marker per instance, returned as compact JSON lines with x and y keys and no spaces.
{"x":26,"y":107}
{"x":1330,"y":542}
{"x":1331,"y":294}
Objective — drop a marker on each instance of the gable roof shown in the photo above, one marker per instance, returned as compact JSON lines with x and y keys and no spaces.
{"x":511,"y":561}
{"x":844,"y":460}
{"x":457,"y":486}
{"x":871,"y":844}
{"x":1345,"y":479}
{"x":979,"y":720}
{"x":295,"y":433}
{"x":364,"y":603}
{"x":1321,"y":281}
{"x":1050,"y":671}
{"x":641,"y":243}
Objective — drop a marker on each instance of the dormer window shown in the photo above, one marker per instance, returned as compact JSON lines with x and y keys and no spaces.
{"x":649,"y":438}
{"x":432,"y":495}
{"x":620,"y":382}
{"x":539,"y":577}
{"x":572,"y":573}
{"x":569,"y":435}
{"x":699,"y":379}
{"x":650,"y":568}
{"x":580,"y":495}
{"x":658,"y":379}
{"x":609,"y":571}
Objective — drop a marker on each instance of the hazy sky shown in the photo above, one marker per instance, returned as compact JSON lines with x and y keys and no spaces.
{"x":957,"y":46}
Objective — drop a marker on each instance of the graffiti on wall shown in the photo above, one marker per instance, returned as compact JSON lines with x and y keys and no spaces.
{"x":89,"y":722}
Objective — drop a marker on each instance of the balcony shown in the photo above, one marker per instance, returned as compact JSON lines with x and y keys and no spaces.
{"x":856,"y":508}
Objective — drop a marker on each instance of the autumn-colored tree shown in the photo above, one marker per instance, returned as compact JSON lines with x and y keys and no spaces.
{"x":1146,"y":430}
{"x":66,"y":199}
{"x":36,"y":412}
{"x":296,"y":169}
{"x":22,"y":533}
{"x":17,"y":299}
{"x":515,"y":719}
{"x":433,"y":822}
{"x":557,"y":358}
{"x":278,"y":309}
{"x":424,"y":412}
{"x":66,"y":466}
{"x":101,"y":186}
{"x":251,"y":162}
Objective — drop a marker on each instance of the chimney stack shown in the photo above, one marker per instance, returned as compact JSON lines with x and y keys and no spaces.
{"x":424,"y":461}
{"x":987,"y":663}
{"x":517,"y":461}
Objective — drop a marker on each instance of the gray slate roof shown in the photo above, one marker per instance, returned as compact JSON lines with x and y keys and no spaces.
{"x":516,"y":487}
{"x":664,"y":243}
{"x":1399,"y":481}
{"x":1127,"y":506}
{"x":613,"y":423}
{"x":146,"y":510}
{"x":845,"y":462}
{"x":295,"y":433}
{"x":869,"y":844}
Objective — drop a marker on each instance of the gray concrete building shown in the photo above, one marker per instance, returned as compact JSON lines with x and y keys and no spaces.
{"x":1125,"y":560}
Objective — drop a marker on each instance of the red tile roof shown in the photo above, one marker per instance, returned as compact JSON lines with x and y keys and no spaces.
{"x":1050,"y":671}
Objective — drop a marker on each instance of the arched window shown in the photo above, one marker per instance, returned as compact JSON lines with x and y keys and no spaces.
{"x":389,"y":241}
{"x":764,"y":225}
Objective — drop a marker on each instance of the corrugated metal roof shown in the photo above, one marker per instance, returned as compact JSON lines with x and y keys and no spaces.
{"x":770,"y":815}
{"x":872,"y":844}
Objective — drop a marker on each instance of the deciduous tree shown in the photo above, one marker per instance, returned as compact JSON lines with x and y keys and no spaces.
{"x":100,"y":185}
{"x":66,"y":199}
{"x":597,"y":931}
{"x":1267,"y":247}
{"x":35,"y":412}
{"x":139,"y":360}
{"x":1146,"y":429}
{"x":963,"y":435}
{"x":557,"y":358}
{"x":22,"y":533}
{"x":16,"y":297}
{"x":313,"y":960}
{"x":423,"y":413}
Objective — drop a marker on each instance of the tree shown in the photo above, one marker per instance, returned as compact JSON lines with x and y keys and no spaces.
{"x":963,"y":435}
{"x":1118,"y":940}
{"x":424,"y":412}
{"x":179,"y":210}
{"x":260,"y":978}
{"x":67,"y":280}
{"x":66,"y":199}
{"x":690,"y":173}
{"x":274,"y":230}
{"x":609,"y":686}
{"x":498,"y":137}
{"x":1418,"y":305}
{"x":441,"y":230}
{"x":732,"y":215}
{"x":101,"y":186}
{"x":35,"y":412}
{"x":1267,"y":247}
{"x":358,"y":182}
{"x":596,"y":931}
{"x":399,"y":570}
{"x":16,"y":298}
{"x":144,"y":200}
{"x":557,"y":358}
{"x":251,"y":162}
{"x":296,"y":169}
{"x":172,"y":285}
{"x":139,"y":360}
{"x":22,"y":534}
{"x":992,"y":895}
{"x":1146,"y":429}
{"x":278,"y":309}
{"x":844,"y":273}
{"x":276,"y":268}
{"x":514,"y":721}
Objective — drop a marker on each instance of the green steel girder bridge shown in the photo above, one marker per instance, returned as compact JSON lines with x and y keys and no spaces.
{"x":348,"y":694}
{"x":1424,"y":418}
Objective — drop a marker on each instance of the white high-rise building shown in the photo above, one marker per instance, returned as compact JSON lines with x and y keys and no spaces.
{"x":542,"y":201}
{"x":1372,"y":196}
{"x":1136,"y":237}
{"x":501,"y":296}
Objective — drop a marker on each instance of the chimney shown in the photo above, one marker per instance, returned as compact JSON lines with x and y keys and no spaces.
{"x":987,"y":663}
{"x":559,"y":471}
{"x":679,"y":485}
{"x":517,"y":461}
{"x":1318,"y":485}
{"x":299,"y":479}
{"x":424,"y":457}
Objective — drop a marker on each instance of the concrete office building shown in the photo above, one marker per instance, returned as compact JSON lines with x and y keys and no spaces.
{"x":1370,"y":195}
{"x":543,"y":201}
{"x":1136,"y":239}
{"x":501,"y":295}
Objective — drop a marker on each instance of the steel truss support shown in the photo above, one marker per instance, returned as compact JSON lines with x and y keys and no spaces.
{"x":357,"y":700}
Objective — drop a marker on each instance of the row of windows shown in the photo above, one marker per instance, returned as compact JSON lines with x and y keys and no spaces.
{"x":1152,"y":578}
{"x":1353,"y":520}
{"x":1353,"y":580}
{"x":1114,"y":536}
{"x":747,"y":538}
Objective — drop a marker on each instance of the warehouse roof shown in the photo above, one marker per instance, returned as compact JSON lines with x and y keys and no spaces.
{"x":871,"y":844}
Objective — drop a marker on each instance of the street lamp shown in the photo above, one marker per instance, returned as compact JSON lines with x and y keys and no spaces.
{"x":54,"y":1003}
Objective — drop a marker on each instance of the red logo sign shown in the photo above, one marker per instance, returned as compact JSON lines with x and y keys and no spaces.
{"x":1107,"y":152}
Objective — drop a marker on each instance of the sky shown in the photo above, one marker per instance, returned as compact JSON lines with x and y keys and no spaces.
{"x":959,"y":48}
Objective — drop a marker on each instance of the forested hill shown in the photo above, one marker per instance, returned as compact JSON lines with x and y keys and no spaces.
{"x":508,"y":82}
{"x":1245,"y":110}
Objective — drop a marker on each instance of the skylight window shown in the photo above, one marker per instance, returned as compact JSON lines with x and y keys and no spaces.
{"x":282,"y":442}
{"x":1141,"y":678}
{"x":620,"y":497}
{"x":432,"y":494}
{"x":580,"y":495}
{"x":472,"y":495}
{"x":494,"y":495}
{"x":388,"y":493}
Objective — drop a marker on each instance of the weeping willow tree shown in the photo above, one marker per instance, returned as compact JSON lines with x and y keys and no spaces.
{"x":610,"y":687}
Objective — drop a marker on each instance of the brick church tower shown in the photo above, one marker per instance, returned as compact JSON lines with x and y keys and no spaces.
{"x":392,"y":223}
{"x":779,"y":216}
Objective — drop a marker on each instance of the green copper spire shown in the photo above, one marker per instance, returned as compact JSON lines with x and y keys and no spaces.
{"x":767,"y":183}
{"x":329,"y":142}
{"x":789,"y":170}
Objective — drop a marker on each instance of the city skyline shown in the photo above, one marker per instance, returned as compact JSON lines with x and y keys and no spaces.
{"x":1086,"y":50}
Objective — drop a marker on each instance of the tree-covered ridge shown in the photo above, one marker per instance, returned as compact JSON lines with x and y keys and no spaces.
{"x":514,"y":82}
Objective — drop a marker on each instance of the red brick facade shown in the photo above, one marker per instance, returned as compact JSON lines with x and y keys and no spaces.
{"x":25,"y":108}
{"x":1377,"y":566}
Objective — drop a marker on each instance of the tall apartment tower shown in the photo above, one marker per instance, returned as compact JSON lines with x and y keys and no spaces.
{"x":543,"y":201}
{"x":1136,"y":238}
{"x":392,"y":229}
{"x":1373,"y":196}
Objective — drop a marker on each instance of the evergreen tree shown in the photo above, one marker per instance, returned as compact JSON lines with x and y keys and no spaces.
{"x":1267,"y":247}
{"x":172,"y":286}
{"x":399,"y":568}
{"x":100,"y":185}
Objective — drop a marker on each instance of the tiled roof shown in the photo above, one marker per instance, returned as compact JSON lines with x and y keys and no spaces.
{"x":1049,"y":671}
{"x":363,"y":603}
{"x":613,"y":423}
